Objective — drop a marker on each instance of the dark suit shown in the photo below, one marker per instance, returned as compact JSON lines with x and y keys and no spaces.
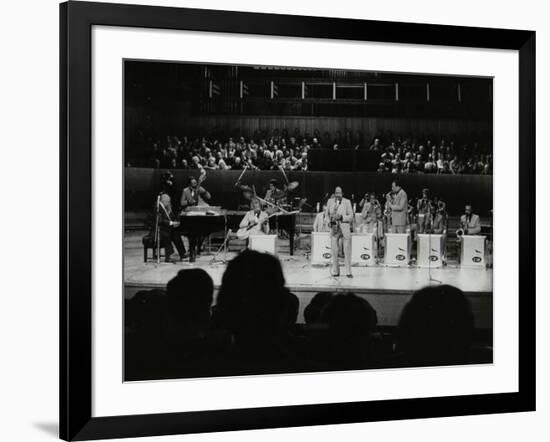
{"x":168,"y":234}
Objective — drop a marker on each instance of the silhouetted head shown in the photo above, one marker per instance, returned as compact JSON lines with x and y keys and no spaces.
{"x":436,"y":326}
{"x":350,"y":322}
{"x":144,"y":312}
{"x":252,"y":299}
{"x":292,"y":307}
{"x":312,"y":312}
{"x":189,"y":299}
{"x":349,"y":317}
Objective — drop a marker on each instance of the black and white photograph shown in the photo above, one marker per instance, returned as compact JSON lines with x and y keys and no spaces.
{"x":261,"y":221}
{"x":284,"y":219}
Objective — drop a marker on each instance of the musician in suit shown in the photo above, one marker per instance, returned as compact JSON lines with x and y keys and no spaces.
{"x":255,"y":219}
{"x":167,"y":229}
{"x":195,"y":195}
{"x":439,"y":219}
{"x":469,"y":222}
{"x":371,"y":214}
{"x":341,"y":216}
{"x":322,"y":220}
{"x":274,"y":195}
{"x":423,"y":209}
{"x":398,"y":203}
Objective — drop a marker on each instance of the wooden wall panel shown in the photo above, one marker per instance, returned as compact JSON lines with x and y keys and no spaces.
{"x":142,"y":185}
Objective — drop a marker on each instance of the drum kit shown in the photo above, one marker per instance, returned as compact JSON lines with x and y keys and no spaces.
{"x":279,"y":200}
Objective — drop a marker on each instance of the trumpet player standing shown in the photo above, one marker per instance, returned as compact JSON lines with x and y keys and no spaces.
{"x":398,"y":203}
{"x":341,"y":216}
{"x":370,"y":215}
{"x":423,"y":208}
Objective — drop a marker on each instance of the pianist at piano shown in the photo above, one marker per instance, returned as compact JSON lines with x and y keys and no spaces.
{"x":167,"y":228}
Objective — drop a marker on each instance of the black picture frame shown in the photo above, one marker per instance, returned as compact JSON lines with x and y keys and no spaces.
{"x":76,"y":21}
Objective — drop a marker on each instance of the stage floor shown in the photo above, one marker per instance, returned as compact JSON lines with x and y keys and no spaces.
{"x":302,"y":276}
{"x":388,"y":289}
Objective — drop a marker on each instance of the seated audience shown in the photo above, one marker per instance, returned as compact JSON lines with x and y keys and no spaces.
{"x":275,"y":150}
{"x":169,"y":332}
{"x":253,"y":327}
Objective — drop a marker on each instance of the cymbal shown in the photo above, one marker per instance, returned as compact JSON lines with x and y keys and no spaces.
{"x":245,"y":188}
{"x":292,"y":185}
{"x":248,"y":194}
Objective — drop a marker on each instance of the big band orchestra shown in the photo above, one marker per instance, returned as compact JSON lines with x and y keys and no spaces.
{"x":397,"y":214}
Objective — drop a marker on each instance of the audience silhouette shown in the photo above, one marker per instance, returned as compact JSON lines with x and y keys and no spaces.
{"x":189,"y":298}
{"x":312,"y":313}
{"x":254,"y":327}
{"x":436,"y":328}
{"x":254,"y":305}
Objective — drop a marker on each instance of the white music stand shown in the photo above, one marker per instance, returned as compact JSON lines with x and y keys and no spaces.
{"x":397,"y":252}
{"x":431,"y":250}
{"x":321,"y":253}
{"x":472,"y":251}
{"x":263,"y":243}
{"x":363,"y":249}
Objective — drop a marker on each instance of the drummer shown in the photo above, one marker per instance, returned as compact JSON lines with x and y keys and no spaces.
{"x":274,"y":195}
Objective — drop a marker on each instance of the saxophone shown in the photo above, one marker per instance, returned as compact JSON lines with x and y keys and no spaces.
{"x":334,"y":222}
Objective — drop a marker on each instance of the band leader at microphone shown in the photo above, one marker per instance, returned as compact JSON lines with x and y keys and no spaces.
{"x":341,"y":216}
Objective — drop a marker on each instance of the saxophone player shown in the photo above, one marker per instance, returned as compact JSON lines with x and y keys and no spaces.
{"x":423,"y":210}
{"x":371,"y":214}
{"x":398,"y":203}
{"x":469,"y":222}
{"x":322,"y":220}
{"x":341,"y":215}
{"x":438,"y":222}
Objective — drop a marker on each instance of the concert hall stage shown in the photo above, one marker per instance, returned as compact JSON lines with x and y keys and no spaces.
{"x":386,"y":288}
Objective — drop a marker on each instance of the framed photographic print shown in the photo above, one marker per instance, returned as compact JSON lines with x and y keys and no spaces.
{"x":272,"y":220}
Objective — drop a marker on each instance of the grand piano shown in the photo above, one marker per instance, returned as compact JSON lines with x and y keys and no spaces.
{"x":202,"y":220}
